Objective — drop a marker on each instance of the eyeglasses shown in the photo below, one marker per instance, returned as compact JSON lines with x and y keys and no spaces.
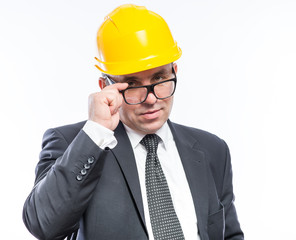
{"x":137,"y":95}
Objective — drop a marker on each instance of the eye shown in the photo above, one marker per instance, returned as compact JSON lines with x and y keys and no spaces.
{"x":132,"y":83}
{"x":158,"y":78}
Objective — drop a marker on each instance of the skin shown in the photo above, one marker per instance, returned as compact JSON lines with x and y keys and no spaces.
{"x":108,"y":107}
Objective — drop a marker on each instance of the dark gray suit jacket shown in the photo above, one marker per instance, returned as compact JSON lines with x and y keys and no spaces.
{"x":96,"y":193}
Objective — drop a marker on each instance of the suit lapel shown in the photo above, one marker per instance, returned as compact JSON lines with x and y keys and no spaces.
{"x":126,"y":159}
{"x":193,"y":160}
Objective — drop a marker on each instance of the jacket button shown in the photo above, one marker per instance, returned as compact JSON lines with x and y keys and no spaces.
{"x":91,"y":160}
{"x":79,"y":177}
{"x":86,"y":166}
{"x":83,"y":172}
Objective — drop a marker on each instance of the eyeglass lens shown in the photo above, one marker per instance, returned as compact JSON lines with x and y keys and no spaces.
{"x":161,"y":90}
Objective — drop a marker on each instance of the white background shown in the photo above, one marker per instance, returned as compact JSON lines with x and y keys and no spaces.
{"x":236,"y":79}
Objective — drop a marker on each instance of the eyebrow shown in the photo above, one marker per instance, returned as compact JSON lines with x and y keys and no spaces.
{"x":161,"y":72}
{"x":131,"y":78}
{"x":134,"y":78}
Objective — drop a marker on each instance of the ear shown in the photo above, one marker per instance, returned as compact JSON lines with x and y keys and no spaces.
{"x":102,"y":83}
{"x":175,"y":66}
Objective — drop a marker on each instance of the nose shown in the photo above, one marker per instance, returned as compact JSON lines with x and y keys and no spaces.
{"x":151,"y":99}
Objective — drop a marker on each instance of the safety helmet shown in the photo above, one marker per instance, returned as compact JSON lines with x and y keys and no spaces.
{"x":133,"y":39}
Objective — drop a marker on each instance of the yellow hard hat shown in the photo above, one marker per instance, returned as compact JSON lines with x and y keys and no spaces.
{"x":133,"y":39}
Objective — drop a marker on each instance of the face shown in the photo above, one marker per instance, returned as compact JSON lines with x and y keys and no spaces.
{"x":149,"y":116}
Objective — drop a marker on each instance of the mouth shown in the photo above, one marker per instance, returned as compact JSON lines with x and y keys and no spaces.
{"x":151,"y":114}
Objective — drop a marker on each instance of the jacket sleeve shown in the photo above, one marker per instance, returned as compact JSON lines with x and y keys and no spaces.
{"x":232,"y":226}
{"x":66,"y":176}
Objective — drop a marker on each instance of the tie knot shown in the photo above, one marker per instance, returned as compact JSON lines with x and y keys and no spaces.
{"x":150,"y":142}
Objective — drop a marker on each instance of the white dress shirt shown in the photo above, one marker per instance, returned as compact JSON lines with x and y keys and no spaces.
{"x":171,"y":165}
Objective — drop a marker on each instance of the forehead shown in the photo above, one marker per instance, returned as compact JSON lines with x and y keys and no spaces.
{"x":165,"y":69}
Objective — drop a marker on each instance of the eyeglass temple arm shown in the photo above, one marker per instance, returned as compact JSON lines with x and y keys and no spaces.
{"x":108,"y":80}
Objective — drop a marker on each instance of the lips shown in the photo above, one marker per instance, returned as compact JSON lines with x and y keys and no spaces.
{"x":151,"y":114}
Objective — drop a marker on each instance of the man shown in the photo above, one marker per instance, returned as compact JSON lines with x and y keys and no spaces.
{"x":129,"y":172}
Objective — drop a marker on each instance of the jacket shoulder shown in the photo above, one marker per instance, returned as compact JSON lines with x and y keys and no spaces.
{"x":68,"y":132}
{"x":204,"y":138}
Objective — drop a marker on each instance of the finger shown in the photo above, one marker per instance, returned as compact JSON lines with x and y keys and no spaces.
{"x":118,"y":86}
{"x":116,"y":104}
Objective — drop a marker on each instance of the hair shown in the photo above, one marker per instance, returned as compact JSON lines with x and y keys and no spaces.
{"x":104,"y":75}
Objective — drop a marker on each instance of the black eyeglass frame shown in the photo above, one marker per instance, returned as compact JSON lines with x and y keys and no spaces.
{"x":150,"y":88}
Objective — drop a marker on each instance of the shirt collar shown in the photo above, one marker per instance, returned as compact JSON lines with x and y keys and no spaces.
{"x":164,"y":133}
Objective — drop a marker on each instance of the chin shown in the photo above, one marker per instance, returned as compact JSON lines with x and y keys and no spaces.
{"x":152,"y":127}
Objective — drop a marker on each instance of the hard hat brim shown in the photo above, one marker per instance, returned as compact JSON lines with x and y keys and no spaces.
{"x":129,"y":67}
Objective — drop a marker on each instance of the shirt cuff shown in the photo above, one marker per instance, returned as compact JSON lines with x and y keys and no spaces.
{"x":102,"y":136}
